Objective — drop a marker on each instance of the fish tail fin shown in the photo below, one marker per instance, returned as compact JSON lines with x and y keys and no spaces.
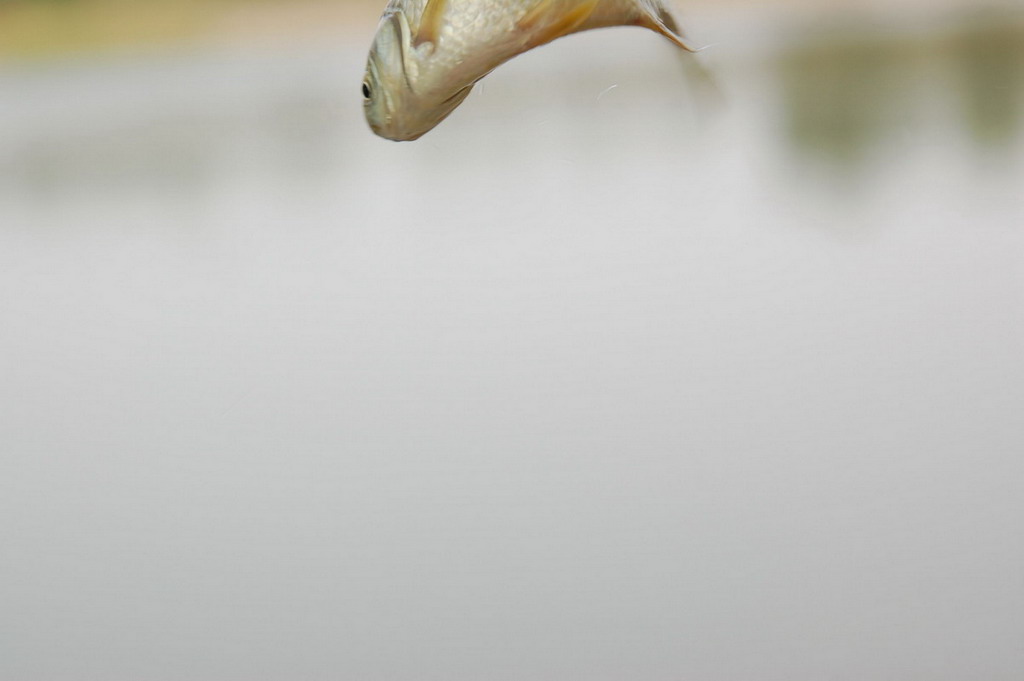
{"x":708,"y":96}
{"x":655,"y":16}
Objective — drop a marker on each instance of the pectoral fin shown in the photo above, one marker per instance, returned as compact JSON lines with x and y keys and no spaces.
{"x":430,"y":23}
{"x":550,"y":19}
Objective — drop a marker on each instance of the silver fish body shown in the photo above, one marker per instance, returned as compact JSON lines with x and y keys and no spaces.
{"x":428,"y":54}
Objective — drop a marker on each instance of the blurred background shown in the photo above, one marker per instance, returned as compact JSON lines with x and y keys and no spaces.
{"x":607,"y":377}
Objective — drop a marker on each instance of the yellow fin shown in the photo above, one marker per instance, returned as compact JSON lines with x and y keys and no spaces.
{"x":543,"y":19}
{"x":430,"y":23}
{"x":664,"y":23}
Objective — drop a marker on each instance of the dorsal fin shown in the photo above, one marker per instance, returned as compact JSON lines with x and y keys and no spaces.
{"x":430,"y":23}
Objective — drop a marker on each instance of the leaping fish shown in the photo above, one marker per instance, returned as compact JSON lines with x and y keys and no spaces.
{"x":428,"y":54}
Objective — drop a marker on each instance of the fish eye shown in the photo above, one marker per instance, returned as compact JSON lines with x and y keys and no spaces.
{"x":366,"y":90}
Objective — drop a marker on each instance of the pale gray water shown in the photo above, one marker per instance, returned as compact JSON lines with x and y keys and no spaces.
{"x":583,"y":385}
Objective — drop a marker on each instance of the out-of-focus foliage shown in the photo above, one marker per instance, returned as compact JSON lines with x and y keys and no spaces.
{"x":853,"y":86}
{"x":991,"y":76}
{"x":39,"y":27}
{"x":30,"y":28}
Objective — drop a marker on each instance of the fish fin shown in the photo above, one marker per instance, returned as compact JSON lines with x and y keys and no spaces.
{"x":660,"y":20}
{"x":430,"y":23}
{"x":544,"y":22}
{"x":708,"y":95}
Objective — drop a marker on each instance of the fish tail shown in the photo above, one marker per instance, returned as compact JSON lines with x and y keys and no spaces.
{"x":657,"y":17}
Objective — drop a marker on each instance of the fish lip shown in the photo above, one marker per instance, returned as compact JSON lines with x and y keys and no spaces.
{"x":397,"y":116}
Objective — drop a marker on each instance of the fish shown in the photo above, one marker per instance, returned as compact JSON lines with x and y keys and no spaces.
{"x":428,"y":54}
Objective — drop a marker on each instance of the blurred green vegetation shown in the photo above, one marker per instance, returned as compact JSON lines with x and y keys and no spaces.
{"x":31,"y":28}
{"x":41,"y":27}
{"x":990,"y":57}
{"x":855,"y":86}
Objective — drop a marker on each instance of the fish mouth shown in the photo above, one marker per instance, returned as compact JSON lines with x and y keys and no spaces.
{"x":387,"y":71}
{"x":397,"y":110}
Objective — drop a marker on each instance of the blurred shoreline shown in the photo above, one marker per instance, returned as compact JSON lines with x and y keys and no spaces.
{"x":44,"y":29}
{"x":33,"y":30}
{"x":592,"y":381}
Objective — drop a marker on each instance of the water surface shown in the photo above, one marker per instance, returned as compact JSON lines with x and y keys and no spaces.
{"x":594,"y":381}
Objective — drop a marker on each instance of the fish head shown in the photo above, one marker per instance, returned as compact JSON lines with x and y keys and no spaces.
{"x":406,"y":92}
